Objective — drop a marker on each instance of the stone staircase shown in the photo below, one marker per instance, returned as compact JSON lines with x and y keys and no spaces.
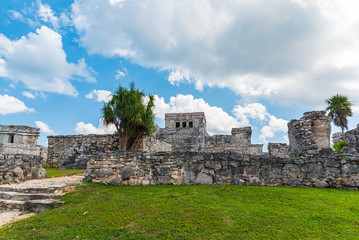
{"x":35,"y":195}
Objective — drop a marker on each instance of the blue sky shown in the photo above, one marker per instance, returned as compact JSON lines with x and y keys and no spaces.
{"x":257,"y":63}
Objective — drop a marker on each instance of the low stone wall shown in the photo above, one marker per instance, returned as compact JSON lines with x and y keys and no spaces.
{"x":278,"y":149}
{"x":15,"y":168}
{"x":13,"y":148}
{"x":135,"y":168}
{"x":252,"y":149}
{"x":72,"y":151}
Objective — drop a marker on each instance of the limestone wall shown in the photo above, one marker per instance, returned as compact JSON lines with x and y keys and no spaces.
{"x":72,"y":151}
{"x":13,"y":148}
{"x":15,"y":168}
{"x":278,"y":149}
{"x":241,"y":136}
{"x":135,"y":168}
{"x":252,"y":149}
{"x":309,"y":134}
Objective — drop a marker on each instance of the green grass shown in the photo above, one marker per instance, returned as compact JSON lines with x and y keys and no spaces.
{"x":55,"y":172}
{"x":97,"y":211}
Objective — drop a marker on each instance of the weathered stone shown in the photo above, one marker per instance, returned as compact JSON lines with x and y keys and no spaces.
{"x":127,"y":172}
{"x":205,"y":177}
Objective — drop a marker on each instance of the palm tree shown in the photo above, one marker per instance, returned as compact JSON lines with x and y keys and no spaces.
{"x":131,"y":117}
{"x":339,"y":108}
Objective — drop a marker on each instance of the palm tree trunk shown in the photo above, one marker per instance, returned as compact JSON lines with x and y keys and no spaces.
{"x":343,"y":134}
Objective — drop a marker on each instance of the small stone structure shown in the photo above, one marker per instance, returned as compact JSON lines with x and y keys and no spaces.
{"x":239,"y":141}
{"x":22,"y":135}
{"x":20,"y":158}
{"x":185,"y":131}
{"x":72,"y":151}
{"x":141,"y":168}
{"x":15,"y":139}
{"x":309,"y":134}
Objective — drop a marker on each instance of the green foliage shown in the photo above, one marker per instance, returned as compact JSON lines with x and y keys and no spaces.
{"x":339,"y":108}
{"x":131,"y":117}
{"x":97,"y":211}
{"x":339,"y":146}
{"x":55,"y":172}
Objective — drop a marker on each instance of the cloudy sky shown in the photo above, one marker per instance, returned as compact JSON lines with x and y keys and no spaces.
{"x":242,"y":62}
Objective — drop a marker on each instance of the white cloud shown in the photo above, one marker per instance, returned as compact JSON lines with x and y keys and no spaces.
{"x":10,"y":104}
{"x":100,"y":95}
{"x":297,"y":51}
{"x":275,"y":125}
{"x":44,"y":127}
{"x":16,"y":15}
{"x":88,"y":128}
{"x":28,"y":94}
{"x":119,"y":74}
{"x":250,"y":111}
{"x":47,"y":15}
{"x":39,"y":61}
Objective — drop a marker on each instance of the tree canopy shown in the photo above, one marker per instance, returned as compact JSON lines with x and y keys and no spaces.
{"x":132,"y":118}
{"x":339,"y":108}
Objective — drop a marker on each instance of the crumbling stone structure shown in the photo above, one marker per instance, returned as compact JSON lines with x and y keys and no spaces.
{"x":15,"y":168}
{"x":72,"y":151}
{"x":309,"y":134}
{"x":239,"y":141}
{"x":24,"y":135}
{"x":20,"y":158}
{"x":15,"y":139}
{"x":183,"y":132}
{"x":143,"y":168}
{"x":278,"y":149}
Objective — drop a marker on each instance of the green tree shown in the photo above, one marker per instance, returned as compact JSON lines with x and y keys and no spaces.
{"x":132,"y":118}
{"x":339,"y":108}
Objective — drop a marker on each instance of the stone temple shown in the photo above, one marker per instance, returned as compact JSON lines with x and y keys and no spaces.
{"x":16,"y":139}
{"x":20,"y":157}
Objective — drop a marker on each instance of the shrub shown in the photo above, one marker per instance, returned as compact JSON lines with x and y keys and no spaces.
{"x":339,"y":146}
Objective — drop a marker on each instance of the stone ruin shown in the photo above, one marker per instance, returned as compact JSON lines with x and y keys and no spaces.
{"x":310,"y":134}
{"x":226,"y":159}
{"x":16,"y":139}
{"x":187,"y":132}
{"x":72,"y":151}
{"x":20,"y":157}
{"x":183,"y":132}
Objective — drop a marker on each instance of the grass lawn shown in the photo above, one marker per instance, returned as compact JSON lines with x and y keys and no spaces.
{"x":97,"y":211}
{"x":54,"y":172}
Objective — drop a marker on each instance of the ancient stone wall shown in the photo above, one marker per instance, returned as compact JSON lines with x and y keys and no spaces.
{"x":15,"y":168}
{"x":239,"y":141}
{"x":13,"y":148}
{"x":241,"y":136}
{"x":72,"y":151}
{"x":252,"y":149}
{"x":278,"y":149}
{"x":135,"y":168}
{"x":309,"y":134}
